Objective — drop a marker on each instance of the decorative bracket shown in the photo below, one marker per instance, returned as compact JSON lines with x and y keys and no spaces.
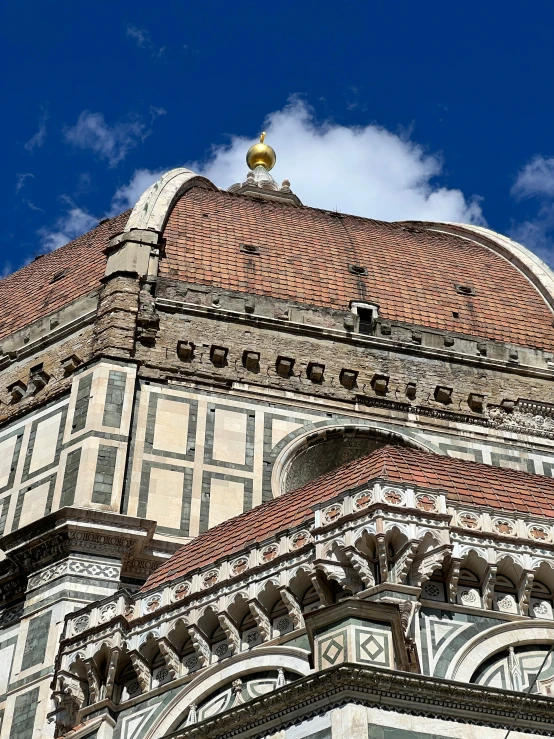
{"x":361,"y":565}
{"x":524,"y":591}
{"x":261,"y":618}
{"x":293,"y":607}
{"x":170,"y":656}
{"x":231,"y":631}
{"x":200,"y":644}
{"x":488,"y":586}
{"x":142,"y":670}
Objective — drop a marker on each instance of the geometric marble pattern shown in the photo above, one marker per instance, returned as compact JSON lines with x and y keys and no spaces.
{"x":370,"y":643}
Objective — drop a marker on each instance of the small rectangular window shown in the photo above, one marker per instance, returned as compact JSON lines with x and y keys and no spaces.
{"x":366,"y":320}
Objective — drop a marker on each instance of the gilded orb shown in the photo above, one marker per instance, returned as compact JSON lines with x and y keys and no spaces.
{"x":261,"y":154}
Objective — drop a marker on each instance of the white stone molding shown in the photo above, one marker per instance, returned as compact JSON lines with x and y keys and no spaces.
{"x":265,"y":658}
{"x":154,"y":205}
{"x":484,"y":645}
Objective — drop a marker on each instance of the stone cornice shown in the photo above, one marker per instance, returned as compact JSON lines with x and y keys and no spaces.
{"x":382,"y":343}
{"x":386,"y":689}
{"x":74,"y":529}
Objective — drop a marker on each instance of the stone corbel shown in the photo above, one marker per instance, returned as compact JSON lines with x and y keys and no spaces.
{"x":488,"y":586}
{"x":93,"y":680}
{"x":261,"y":618}
{"x":383,"y":558}
{"x":293,"y":607}
{"x":341,"y":573}
{"x":112,"y":669}
{"x":142,"y":670}
{"x":524,"y":591}
{"x":69,"y":698}
{"x":200,"y":644}
{"x":433,"y":560}
{"x":131,"y":252}
{"x":170,"y":656}
{"x":360,"y":564}
{"x":403,"y":563}
{"x":408,"y":611}
{"x":452,"y":580}
{"x":230,"y":630}
{"x":321,"y":588}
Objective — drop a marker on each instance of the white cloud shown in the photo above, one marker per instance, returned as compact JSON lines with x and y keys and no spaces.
{"x":21,"y":178}
{"x":366,"y":171}
{"x":38,"y":139}
{"x":109,"y":142}
{"x":536,"y":180}
{"x":74,"y":222}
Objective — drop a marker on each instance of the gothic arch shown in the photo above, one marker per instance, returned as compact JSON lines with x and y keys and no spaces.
{"x":484,"y":645}
{"x":295,"y":446}
{"x":211,"y":679}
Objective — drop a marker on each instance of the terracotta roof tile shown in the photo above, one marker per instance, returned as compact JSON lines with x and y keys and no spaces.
{"x":30,"y":294}
{"x":305,"y":255}
{"x":466,"y":483}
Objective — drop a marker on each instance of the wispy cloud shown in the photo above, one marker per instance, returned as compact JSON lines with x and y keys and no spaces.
{"x":354,"y":100}
{"x":143,"y":40}
{"x":38,"y":139}
{"x":368,"y":170}
{"x":33,"y":207}
{"x":21,"y":179}
{"x":536,"y":181}
{"x":110,"y":142}
{"x":156,"y":113}
{"x":74,"y":222}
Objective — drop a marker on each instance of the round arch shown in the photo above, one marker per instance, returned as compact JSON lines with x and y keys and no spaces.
{"x":295,"y":447}
{"x":210,"y":679}
{"x":485,"y":645}
{"x":155,"y":203}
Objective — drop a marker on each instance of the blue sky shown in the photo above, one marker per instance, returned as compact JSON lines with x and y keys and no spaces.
{"x":387,"y":110}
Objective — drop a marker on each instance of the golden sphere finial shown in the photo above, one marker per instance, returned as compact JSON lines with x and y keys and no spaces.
{"x":261,"y":155}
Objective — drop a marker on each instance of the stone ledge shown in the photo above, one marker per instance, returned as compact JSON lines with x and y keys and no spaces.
{"x":387,"y":689}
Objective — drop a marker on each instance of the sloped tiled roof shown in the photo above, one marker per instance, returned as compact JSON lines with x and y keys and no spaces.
{"x":465,"y":483}
{"x":30,"y":294}
{"x":412,"y":273}
{"x":305,"y":253}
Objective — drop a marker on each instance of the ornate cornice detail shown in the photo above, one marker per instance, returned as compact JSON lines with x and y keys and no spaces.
{"x":394,"y":691}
